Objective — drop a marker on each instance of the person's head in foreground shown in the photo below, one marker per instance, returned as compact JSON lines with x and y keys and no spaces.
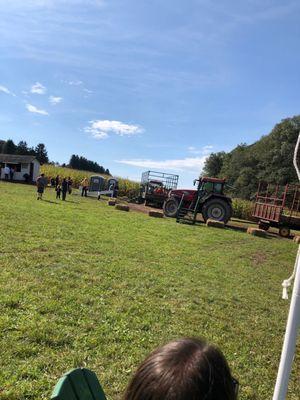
{"x":184,"y":369}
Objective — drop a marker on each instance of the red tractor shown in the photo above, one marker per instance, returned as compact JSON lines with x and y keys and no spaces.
{"x":208,"y":199}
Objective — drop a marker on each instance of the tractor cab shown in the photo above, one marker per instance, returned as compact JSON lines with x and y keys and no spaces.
{"x":208,"y":186}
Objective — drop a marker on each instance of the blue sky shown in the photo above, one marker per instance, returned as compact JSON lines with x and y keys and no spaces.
{"x":137,"y":84}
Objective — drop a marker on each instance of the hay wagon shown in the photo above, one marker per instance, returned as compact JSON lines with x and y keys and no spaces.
{"x":155,"y":187}
{"x":277,"y":206}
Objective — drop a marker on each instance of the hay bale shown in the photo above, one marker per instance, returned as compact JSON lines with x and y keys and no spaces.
{"x":257,"y":232}
{"x":296,"y":239}
{"x":122,"y":207}
{"x":155,"y":214}
{"x":214,"y":223}
{"x":111,"y":202}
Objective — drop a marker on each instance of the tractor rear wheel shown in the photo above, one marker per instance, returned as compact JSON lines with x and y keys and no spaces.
{"x":217,"y":209}
{"x":170,"y":207}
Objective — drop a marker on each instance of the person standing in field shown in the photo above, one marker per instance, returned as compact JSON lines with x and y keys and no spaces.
{"x":11,"y":173}
{"x":85,"y":185}
{"x":58,"y":191}
{"x":6,"y":172}
{"x":70,"y":183}
{"x":41,"y":183}
{"x":64,"y":188}
{"x":57,"y":180}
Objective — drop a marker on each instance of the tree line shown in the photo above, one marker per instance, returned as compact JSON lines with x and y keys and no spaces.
{"x":82,"y":163}
{"x":39,"y":151}
{"x":270,"y":159}
{"x":41,"y":154}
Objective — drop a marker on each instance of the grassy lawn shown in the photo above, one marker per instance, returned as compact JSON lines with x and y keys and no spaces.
{"x":83,"y":284}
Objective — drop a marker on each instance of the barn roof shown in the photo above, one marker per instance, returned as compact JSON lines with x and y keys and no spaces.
{"x":16,"y":158}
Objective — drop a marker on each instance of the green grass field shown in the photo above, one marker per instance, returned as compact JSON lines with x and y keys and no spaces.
{"x":83,"y":284}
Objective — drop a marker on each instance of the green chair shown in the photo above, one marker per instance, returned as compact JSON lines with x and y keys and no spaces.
{"x":78,"y":384}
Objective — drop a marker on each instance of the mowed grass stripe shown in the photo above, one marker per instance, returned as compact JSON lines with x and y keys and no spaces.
{"x":85,"y":285}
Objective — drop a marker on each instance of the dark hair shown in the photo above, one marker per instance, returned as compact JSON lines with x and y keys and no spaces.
{"x":184,"y":369}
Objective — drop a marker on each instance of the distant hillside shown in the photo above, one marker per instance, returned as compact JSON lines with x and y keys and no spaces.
{"x":269,"y":159}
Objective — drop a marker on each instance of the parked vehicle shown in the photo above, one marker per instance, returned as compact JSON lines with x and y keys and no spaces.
{"x":277,"y":206}
{"x":155,"y":188}
{"x":209,"y":200}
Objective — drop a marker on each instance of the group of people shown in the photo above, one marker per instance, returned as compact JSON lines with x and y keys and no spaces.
{"x":62,"y":186}
{"x":9,"y":172}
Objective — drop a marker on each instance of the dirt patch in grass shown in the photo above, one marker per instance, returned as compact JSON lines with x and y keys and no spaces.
{"x":258,"y":258}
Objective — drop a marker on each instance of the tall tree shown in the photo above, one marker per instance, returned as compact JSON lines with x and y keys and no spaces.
{"x":213,"y":164}
{"x":22,"y":147}
{"x":9,"y":147}
{"x":41,"y":153}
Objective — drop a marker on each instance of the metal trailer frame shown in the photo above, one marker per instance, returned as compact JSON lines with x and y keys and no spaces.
{"x":293,"y":322}
{"x":166,"y":181}
{"x":169,"y":181}
{"x":278,"y":206}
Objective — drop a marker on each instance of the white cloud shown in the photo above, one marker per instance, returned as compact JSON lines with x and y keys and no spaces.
{"x":188,"y":163}
{"x":35,"y":110}
{"x":38,"y":88}
{"x":5,"y":90}
{"x":55,"y":100}
{"x":101,"y":129}
{"x":203,"y":150}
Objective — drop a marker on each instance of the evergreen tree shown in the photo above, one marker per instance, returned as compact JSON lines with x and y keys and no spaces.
{"x":9,"y":147}
{"x":41,"y":153}
{"x":82,"y":163}
{"x":22,"y":147}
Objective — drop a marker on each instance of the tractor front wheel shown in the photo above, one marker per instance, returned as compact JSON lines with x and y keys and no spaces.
{"x":170,"y":207}
{"x":217,"y":209}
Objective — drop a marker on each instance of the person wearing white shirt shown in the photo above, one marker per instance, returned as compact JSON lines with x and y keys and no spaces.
{"x":6,"y":173}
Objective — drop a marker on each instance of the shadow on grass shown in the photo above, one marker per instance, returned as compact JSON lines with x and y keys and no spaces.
{"x":50,"y":201}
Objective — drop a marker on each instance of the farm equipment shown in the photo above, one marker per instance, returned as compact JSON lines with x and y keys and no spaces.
{"x":209,"y":200}
{"x":277,"y":206}
{"x":99,"y":185}
{"x":155,"y":188}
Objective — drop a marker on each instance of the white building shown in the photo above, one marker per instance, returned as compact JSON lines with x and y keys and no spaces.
{"x":22,"y":165}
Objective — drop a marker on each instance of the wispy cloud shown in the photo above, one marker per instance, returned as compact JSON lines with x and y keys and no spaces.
{"x":76,"y":82}
{"x":35,"y":110}
{"x":101,"y":129}
{"x":55,"y":100}
{"x":38,"y":88}
{"x":203,"y":150}
{"x":188,"y":163}
{"x":4,"y":89}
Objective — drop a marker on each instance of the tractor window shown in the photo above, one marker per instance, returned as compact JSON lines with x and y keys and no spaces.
{"x":208,"y":187}
{"x":218,"y":188}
